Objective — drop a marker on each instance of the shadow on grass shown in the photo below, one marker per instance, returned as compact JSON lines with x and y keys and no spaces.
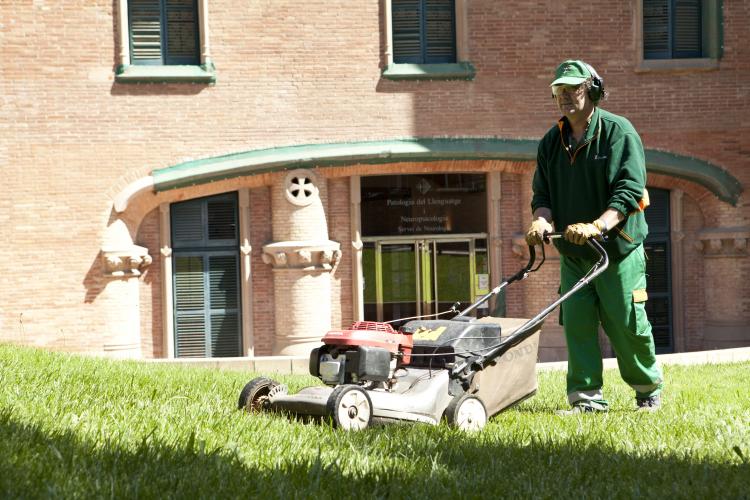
{"x":34,"y":463}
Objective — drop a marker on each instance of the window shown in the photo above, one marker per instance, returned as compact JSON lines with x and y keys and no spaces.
{"x":425,"y":39}
{"x":658,"y":270}
{"x":424,"y":31}
{"x":672,"y":29}
{"x":680,"y":34}
{"x":163,"y":32}
{"x":206,"y":277}
{"x":163,"y":41}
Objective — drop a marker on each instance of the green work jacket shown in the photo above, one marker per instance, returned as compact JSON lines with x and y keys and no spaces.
{"x":606,"y":170}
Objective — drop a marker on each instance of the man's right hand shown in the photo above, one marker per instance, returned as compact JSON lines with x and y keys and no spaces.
{"x":535,"y":234}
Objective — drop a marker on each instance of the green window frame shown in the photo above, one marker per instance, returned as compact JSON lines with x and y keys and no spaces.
{"x":164,"y":32}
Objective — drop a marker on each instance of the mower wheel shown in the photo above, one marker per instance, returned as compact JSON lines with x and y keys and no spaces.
{"x":350,"y":407}
{"x":466,"y":412}
{"x":254,"y":396}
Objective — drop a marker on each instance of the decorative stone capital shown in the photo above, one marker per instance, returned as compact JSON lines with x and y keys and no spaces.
{"x":129,"y":262}
{"x":723,"y":242}
{"x":120,"y":257}
{"x":302,"y":255}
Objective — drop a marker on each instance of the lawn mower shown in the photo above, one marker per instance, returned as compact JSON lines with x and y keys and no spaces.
{"x":462,"y":369}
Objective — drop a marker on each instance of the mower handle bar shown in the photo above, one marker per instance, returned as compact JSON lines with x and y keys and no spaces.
{"x":520,"y":275}
{"x":525,"y":330}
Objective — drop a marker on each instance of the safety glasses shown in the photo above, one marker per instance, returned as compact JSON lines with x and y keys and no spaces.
{"x":559,"y":90}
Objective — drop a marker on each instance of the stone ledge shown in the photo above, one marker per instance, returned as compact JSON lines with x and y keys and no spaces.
{"x":132,"y":73}
{"x":298,"y":365}
{"x":294,"y":365}
{"x":723,"y":241}
{"x":439,"y":71}
{"x":717,"y":356}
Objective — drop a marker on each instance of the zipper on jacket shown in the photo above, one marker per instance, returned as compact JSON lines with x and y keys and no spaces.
{"x":572,"y":157}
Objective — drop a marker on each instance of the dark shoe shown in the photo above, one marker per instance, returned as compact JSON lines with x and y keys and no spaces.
{"x":582,"y":408}
{"x":651,"y":403}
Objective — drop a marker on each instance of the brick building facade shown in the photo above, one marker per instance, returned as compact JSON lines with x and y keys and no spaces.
{"x":121,"y":178}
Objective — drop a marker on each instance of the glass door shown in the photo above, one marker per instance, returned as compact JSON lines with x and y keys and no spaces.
{"x":405,"y":278}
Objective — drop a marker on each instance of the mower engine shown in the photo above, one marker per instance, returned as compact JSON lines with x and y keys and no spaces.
{"x":369,"y":351}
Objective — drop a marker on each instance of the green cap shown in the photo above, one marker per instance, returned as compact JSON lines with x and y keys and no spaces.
{"x":571,"y":73}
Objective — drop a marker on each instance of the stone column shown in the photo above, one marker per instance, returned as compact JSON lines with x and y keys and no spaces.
{"x":122,"y":263}
{"x":302,"y":258}
{"x":727,"y":287}
{"x":355,"y":195}
{"x":494,"y":236}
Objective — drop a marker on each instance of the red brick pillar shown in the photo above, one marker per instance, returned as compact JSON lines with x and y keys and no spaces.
{"x":727,"y":287}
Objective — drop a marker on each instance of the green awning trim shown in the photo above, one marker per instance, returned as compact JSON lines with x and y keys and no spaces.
{"x":715,"y":179}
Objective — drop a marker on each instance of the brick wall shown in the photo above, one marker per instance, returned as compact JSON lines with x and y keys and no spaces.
{"x":338,"y":215}
{"x":300,"y":72}
{"x":262,"y":275}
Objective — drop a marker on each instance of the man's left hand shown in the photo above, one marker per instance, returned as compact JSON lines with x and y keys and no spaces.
{"x":581,"y":232}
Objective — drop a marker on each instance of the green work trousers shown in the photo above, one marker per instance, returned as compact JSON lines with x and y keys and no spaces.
{"x":616,"y":299}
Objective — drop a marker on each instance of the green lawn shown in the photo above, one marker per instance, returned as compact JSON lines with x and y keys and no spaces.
{"x":81,"y":427}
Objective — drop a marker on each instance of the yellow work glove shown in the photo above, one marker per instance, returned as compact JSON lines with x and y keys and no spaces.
{"x":535,"y":234}
{"x":581,"y":232}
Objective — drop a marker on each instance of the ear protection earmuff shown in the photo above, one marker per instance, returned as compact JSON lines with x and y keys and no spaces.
{"x":596,"y":92}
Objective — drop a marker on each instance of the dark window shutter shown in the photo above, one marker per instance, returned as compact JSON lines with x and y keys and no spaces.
{"x":687,"y":29}
{"x":407,"y":38}
{"x":182,"y":32}
{"x":672,"y":29}
{"x":145,"y":31}
{"x":657,"y":309}
{"x":205,"y":222}
{"x":206,"y":277}
{"x":222,"y":281}
{"x":224,"y":302}
{"x":222,"y":220}
{"x":189,"y":299}
{"x":424,"y":31}
{"x":657,"y":214}
{"x":656,"y":29}
{"x":658,"y":269}
{"x":440,"y":31}
{"x":164,"y":32}
{"x":187,"y":224}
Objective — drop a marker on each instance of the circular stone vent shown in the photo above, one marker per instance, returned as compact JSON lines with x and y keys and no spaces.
{"x":300,"y":188}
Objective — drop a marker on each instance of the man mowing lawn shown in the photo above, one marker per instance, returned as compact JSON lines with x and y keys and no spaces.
{"x":591,"y":180}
